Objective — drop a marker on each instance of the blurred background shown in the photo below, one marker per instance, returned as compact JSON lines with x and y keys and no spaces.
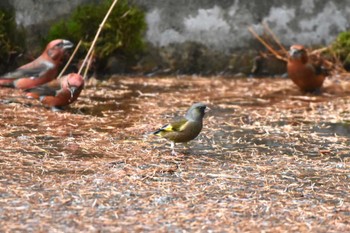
{"x":184,"y":37}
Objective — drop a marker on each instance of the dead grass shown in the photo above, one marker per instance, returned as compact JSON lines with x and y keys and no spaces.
{"x":269,"y":159}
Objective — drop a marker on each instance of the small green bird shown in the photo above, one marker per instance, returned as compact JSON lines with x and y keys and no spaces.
{"x":185,"y":129}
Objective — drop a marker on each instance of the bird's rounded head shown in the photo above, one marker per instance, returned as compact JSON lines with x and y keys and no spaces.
{"x":74,"y":83}
{"x":196,"y":112}
{"x":75,"y":79}
{"x":298,"y":52}
{"x":59,"y":43}
{"x":56,"y":48}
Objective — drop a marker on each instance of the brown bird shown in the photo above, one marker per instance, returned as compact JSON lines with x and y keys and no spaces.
{"x":59,"y":92}
{"x":307,"y":74}
{"x":41,"y":70}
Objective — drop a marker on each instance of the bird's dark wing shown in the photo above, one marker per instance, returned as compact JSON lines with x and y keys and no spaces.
{"x":322,"y":70}
{"x":34,"y":72}
{"x":320,"y":65}
{"x":49,"y":89}
{"x":318,"y":69}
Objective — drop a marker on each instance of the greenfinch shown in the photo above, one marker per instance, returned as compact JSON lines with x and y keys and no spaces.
{"x":185,"y":129}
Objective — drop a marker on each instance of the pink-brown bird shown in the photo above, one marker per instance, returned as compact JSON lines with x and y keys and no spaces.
{"x":59,"y":92}
{"x":308,"y":74}
{"x":41,"y":70}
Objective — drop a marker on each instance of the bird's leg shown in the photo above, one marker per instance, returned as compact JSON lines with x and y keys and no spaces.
{"x":172,"y":147}
{"x":188,"y":148}
{"x":317,"y":91}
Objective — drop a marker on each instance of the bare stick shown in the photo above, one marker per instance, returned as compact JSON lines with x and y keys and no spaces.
{"x":274,"y":37}
{"x":320,"y":50}
{"x":70,"y":60}
{"x":88,"y":64}
{"x":337,"y":64}
{"x":97,"y":34}
{"x":340,"y":65}
{"x":266,"y":45}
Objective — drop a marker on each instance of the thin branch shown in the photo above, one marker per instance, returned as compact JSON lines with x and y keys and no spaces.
{"x":70,"y":60}
{"x":97,"y":34}
{"x":320,"y":50}
{"x":274,"y":37}
{"x":267,"y":45}
{"x":88,"y":64}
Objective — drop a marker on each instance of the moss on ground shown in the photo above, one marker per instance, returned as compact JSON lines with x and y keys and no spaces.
{"x":341,"y":47}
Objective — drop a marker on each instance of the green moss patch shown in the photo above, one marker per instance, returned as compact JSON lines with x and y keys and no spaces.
{"x":11,"y":40}
{"x":122,"y":35}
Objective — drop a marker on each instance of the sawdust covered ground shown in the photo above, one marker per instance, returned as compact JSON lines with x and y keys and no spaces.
{"x":268,"y":159}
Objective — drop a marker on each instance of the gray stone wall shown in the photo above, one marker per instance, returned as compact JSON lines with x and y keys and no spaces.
{"x":211,"y":35}
{"x":36,"y":12}
{"x":223,"y":24}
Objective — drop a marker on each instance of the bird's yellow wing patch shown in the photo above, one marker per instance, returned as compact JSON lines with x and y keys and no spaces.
{"x":183,"y":126}
{"x":168,"y":128}
{"x":173,"y":127}
{"x":178,"y":125}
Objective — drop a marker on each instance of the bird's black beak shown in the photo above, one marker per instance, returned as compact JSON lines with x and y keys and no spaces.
{"x":67,"y":44}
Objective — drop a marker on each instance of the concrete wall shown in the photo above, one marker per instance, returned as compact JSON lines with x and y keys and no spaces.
{"x":36,"y":12}
{"x":208,"y":32}
{"x":223,"y":24}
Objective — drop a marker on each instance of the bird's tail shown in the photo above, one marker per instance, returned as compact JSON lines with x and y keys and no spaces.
{"x":157,"y":132}
{"x":6,"y":83}
{"x":166,"y":127}
{"x":146,"y":135}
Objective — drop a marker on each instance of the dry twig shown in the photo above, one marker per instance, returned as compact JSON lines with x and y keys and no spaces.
{"x":273,"y":51}
{"x":97,"y":35}
{"x":70,"y":60}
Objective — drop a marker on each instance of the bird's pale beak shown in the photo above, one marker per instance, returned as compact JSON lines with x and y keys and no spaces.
{"x":294,"y":53}
{"x":72,"y":90}
{"x":67,"y":44}
{"x":207,"y":109}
